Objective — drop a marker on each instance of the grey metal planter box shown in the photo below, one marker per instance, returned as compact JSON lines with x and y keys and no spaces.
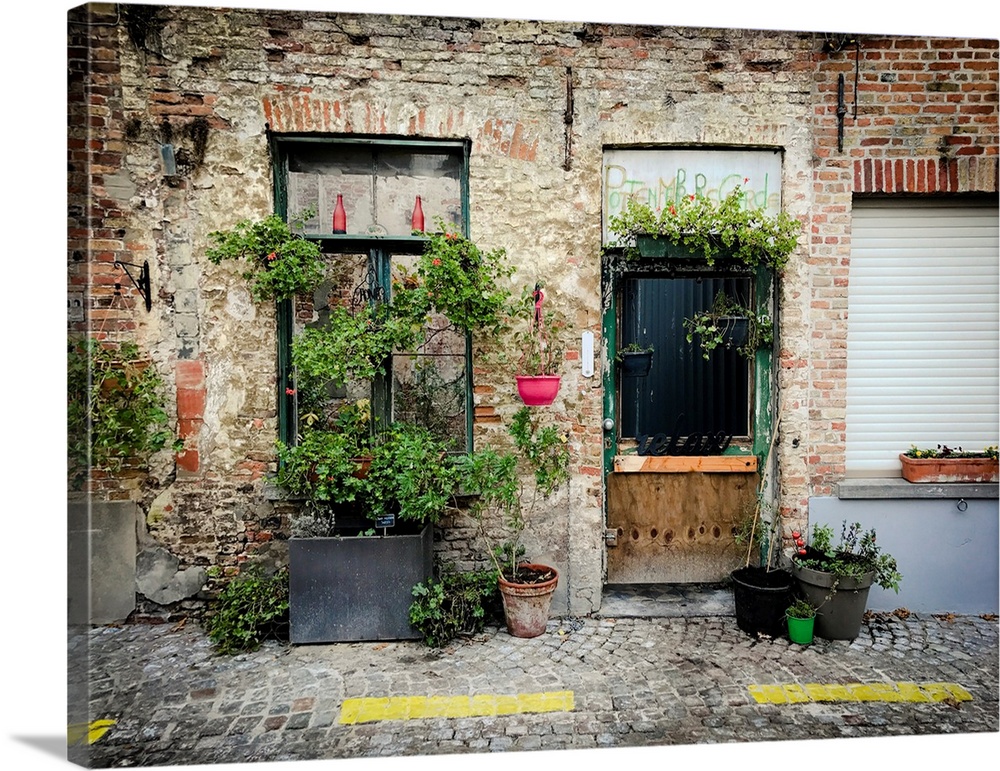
{"x":350,"y":589}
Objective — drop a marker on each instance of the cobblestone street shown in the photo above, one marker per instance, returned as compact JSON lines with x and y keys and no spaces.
{"x":167,"y":699}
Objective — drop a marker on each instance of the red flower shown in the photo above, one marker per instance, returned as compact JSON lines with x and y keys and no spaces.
{"x":691,"y":197}
{"x":272,"y":256}
{"x":436,"y":261}
{"x":672,"y":209}
{"x":290,"y":391}
{"x":745,"y":180}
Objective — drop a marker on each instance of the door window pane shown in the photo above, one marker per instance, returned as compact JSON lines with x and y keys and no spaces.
{"x":684,"y":393}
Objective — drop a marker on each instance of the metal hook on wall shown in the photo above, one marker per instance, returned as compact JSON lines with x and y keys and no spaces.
{"x":143,"y":282}
{"x":962,"y":504}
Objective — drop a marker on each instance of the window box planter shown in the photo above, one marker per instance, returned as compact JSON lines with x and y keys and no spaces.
{"x":930,"y":470}
{"x":635,"y":363}
{"x":653,"y":247}
{"x":356,"y":588}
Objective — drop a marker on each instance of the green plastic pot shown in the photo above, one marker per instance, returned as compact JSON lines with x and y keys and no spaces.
{"x":800,"y":630}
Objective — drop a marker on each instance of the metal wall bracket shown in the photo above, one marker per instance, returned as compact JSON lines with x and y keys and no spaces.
{"x":142,"y":283}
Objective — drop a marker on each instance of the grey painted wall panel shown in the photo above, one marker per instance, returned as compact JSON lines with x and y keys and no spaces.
{"x":948,"y":558}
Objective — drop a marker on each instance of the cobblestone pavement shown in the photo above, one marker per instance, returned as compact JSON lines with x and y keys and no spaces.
{"x":634,"y":682}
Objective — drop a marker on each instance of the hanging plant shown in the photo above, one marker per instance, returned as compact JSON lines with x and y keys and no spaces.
{"x":279,"y":263}
{"x":730,"y":227}
{"x":715,"y":327}
{"x":461,"y":281}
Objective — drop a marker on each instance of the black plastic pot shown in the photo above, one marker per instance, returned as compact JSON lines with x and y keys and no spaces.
{"x":762,"y":597}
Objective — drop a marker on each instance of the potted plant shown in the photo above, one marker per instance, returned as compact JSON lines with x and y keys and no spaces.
{"x":635,"y":360}
{"x":278,"y":264}
{"x":116,"y":414}
{"x":729,"y":324}
{"x":539,"y":339}
{"x":800,"y":618}
{"x":501,"y":502}
{"x":699,"y":227}
{"x":364,"y":539}
{"x":947,"y":464}
{"x":836,"y":579}
{"x":763,"y":591}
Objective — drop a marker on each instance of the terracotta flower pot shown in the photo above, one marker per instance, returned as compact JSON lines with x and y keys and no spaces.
{"x":526,"y":606}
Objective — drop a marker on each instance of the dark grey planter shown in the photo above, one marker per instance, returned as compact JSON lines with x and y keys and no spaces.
{"x":840,"y":613}
{"x":636,"y":363}
{"x":356,"y":588}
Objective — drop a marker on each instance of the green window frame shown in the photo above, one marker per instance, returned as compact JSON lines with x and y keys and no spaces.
{"x":381,"y":248}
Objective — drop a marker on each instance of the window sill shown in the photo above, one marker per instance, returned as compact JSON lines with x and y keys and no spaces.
{"x":889,"y":488}
{"x":680,"y":464}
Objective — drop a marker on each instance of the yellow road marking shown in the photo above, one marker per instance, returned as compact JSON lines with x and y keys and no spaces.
{"x":91,"y":732}
{"x":367,"y":710}
{"x":906,"y":692}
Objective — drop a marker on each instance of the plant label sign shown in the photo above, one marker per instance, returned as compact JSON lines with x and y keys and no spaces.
{"x":386,"y":520}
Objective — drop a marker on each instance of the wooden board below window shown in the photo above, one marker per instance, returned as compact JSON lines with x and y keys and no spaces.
{"x":679,"y":464}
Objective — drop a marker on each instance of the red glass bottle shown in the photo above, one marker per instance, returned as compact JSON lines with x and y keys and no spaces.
{"x":340,"y":216}
{"x":417,"y":220}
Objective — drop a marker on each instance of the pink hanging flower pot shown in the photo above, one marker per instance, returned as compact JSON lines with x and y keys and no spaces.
{"x":538,"y":390}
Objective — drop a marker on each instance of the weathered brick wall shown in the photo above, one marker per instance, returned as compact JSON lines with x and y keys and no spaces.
{"x":922,"y":119}
{"x":213,"y":82}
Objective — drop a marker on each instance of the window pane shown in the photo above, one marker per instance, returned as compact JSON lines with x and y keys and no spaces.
{"x":319,"y":401}
{"x":684,"y":393}
{"x":429,"y":384}
{"x":379,"y":186}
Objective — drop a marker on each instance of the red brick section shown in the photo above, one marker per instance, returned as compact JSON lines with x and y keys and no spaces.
{"x":925,"y":123}
{"x":191,"y":396}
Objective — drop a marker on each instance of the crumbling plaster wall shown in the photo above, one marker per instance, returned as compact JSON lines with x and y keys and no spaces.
{"x":535,"y":188}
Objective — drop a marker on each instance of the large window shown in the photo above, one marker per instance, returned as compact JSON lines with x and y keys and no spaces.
{"x":373,"y":188}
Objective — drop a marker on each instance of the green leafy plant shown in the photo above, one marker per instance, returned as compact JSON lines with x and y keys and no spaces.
{"x":251,"y":608}
{"x":944,"y":451}
{"x":459,"y":280}
{"x":278,"y":263}
{"x":856,"y":555}
{"x":730,"y":225}
{"x":116,"y":411}
{"x":714,"y":325}
{"x":801,"y":609}
{"x":501,"y":497}
{"x":411,"y":475}
{"x":355,"y":344}
{"x":632,"y":348}
{"x":454,"y":604}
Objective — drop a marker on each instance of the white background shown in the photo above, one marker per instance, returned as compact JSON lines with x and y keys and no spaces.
{"x":33,"y":691}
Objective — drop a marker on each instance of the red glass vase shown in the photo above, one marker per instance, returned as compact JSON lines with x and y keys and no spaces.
{"x":340,"y":216}
{"x":417,"y":220}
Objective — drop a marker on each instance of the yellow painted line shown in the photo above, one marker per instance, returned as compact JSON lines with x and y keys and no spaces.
{"x":901,"y":692}
{"x":91,"y":732}
{"x":368,"y":710}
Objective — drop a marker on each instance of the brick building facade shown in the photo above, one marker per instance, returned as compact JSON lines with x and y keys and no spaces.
{"x":540,"y":104}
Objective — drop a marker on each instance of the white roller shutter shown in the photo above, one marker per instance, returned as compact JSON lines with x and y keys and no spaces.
{"x":923,"y":347}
